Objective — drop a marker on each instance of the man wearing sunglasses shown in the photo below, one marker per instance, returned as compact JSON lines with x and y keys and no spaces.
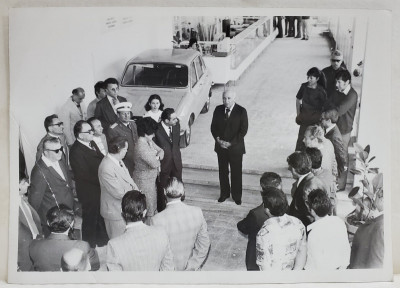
{"x":51,"y":182}
{"x":330,"y":72}
{"x":54,"y":128}
{"x":85,"y":158}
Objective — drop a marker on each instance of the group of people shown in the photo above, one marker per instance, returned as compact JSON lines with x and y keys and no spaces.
{"x":298,"y":30}
{"x":94,"y":163}
{"x":307,"y":234}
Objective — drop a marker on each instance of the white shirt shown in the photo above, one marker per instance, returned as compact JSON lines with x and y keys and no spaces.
{"x":134,"y":224}
{"x":55,"y":165}
{"x":110,"y":99}
{"x":328,"y":245}
{"x":301,"y":178}
{"x":99,"y":143}
{"x":346,"y":90}
{"x":155,"y":115}
{"x":330,"y":128}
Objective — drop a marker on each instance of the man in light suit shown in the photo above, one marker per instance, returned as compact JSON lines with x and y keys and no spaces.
{"x":167,"y":138}
{"x":85,"y":160}
{"x":115,"y":181}
{"x":126,"y":128}
{"x":300,"y":166}
{"x":255,"y":219}
{"x":105,"y":110}
{"x":46,"y":254}
{"x":228,"y":127}
{"x":71,"y":112}
{"x":186,"y":229}
{"x":29,"y":228}
{"x":141,"y":247}
{"x":54,"y":128}
{"x":51,"y":182}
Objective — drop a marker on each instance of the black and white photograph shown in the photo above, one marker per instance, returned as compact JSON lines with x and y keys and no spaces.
{"x":228,"y":145}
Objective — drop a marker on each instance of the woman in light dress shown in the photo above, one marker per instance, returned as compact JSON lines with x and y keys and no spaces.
{"x":154,"y":107}
{"x":147,"y":156}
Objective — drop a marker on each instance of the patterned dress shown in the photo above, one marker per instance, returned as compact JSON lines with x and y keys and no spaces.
{"x":278,"y":242}
{"x":145,"y":173}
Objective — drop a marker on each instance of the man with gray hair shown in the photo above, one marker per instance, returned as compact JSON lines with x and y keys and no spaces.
{"x":229,"y":126}
{"x":75,"y":260}
{"x":186,"y":229}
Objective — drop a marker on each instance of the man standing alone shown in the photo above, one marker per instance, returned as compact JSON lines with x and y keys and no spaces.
{"x":228,"y":127}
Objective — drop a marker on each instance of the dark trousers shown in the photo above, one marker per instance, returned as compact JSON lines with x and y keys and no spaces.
{"x":290,"y":25}
{"x":298,"y":24}
{"x":226,"y":160}
{"x":300,"y":144}
{"x":278,"y":24}
{"x":161,"y":183}
{"x":93,"y":227}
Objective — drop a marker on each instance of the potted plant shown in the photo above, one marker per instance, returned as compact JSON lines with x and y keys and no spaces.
{"x":363,"y":196}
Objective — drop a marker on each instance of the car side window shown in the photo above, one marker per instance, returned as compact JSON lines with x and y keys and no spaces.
{"x":193,"y":75}
{"x":199,"y":68}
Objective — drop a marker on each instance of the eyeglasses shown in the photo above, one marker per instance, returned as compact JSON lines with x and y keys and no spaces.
{"x":89,"y":131}
{"x":57,"y":124}
{"x":335,"y":60}
{"x":56,"y":150}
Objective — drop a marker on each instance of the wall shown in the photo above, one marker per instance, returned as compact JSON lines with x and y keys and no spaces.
{"x":65,"y":49}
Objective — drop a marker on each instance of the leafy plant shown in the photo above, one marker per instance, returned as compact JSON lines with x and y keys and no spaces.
{"x":365,"y":201}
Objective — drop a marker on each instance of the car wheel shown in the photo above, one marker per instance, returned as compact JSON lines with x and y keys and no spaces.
{"x":186,"y":137}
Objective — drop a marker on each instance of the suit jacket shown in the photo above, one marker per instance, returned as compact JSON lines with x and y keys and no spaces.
{"x":85,"y":164}
{"x":105,"y":112}
{"x":140,"y":248}
{"x":232,"y":130}
{"x":298,"y":207}
{"x":328,"y":157}
{"x":115,"y":181}
{"x":25,"y":238}
{"x":46,"y":254}
{"x":63,"y":141}
{"x":40,"y":192}
{"x":172,"y":151}
{"x":250,"y":226}
{"x":187,"y":234}
{"x":346,"y":106}
{"x":340,"y":154}
{"x":70,"y":114}
{"x":119,"y":129}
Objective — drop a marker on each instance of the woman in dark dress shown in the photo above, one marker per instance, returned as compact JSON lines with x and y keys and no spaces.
{"x":310,"y":101}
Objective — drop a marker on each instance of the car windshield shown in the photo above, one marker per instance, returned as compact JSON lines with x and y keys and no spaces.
{"x":156,"y":75}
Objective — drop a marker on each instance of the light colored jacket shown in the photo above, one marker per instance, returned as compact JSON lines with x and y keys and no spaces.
{"x":70,"y":114}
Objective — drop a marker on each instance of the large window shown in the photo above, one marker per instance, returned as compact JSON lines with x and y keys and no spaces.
{"x":199,"y":68}
{"x":156,"y":75}
{"x":193,"y":77}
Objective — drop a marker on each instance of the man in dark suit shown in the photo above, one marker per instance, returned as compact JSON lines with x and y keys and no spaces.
{"x":228,"y":127}
{"x":300,"y":166}
{"x":105,"y":110}
{"x":51,"y":182}
{"x":256,"y":218}
{"x":29,"y":228}
{"x":126,"y":128}
{"x":345,"y":101}
{"x":167,"y":138}
{"x":46,"y":254}
{"x":54,"y":128}
{"x":85,"y":160}
{"x":328,"y":122}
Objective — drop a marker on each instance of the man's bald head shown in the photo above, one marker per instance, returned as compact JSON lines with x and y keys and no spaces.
{"x":75,"y":260}
{"x":228,"y":98}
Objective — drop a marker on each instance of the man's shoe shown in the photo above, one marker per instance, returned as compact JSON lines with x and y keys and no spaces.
{"x":298,"y":36}
{"x":222,"y":199}
{"x":303,"y":38}
{"x":238,"y":202}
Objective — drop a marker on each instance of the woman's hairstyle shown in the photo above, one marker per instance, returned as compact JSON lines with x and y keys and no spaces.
{"x":133,"y":205}
{"x":314,"y":71}
{"x":146,"y":126}
{"x":147,"y":107}
{"x":316,"y":131}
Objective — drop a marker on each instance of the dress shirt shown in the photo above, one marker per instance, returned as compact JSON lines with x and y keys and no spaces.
{"x":301,"y":178}
{"x":99,"y":143}
{"x":55,"y":165}
{"x":111,"y":99}
{"x":278,"y":242}
{"x":328,"y":245}
{"x":329,"y":128}
{"x":346,"y":90}
{"x":134,"y":224}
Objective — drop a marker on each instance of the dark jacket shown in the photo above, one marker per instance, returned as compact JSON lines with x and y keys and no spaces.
{"x":105,"y":112}
{"x":346,"y":106}
{"x":250,"y":226}
{"x":232,"y":130}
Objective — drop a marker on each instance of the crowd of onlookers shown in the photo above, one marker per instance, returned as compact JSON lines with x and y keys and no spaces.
{"x":123,"y":179}
{"x":307,"y":234}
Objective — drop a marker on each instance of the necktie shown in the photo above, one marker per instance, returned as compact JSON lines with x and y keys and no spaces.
{"x":115,"y":101}
{"x":170,"y":133}
{"x":91,"y":145}
{"x":227,"y":110}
